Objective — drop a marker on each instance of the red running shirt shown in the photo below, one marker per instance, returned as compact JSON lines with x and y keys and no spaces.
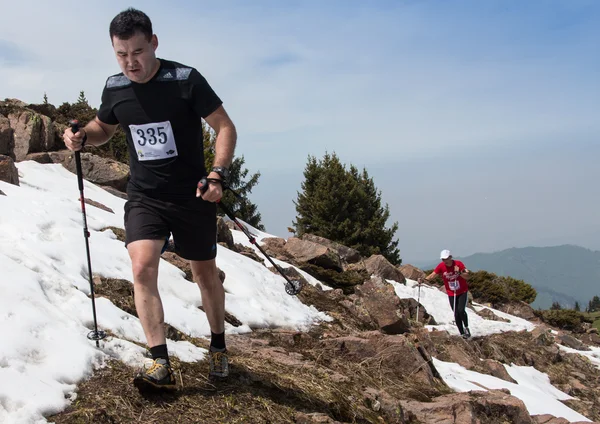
{"x":454,"y":283}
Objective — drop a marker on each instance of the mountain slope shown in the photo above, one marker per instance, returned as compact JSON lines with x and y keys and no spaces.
{"x":322,"y":356}
{"x":564,"y":273}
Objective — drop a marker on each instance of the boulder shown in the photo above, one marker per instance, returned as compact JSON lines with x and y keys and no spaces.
{"x":379,"y":266}
{"x":32,"y":132}
{"x":303,"y":251}
{"x":494,"y":406}
{"x":8,"y":170}
{"x":346,"y":254}
{"x":394,"y":355}
{"x":383,"y":306}
{"x":224,"y":233}
{"x":490,"y":315}
{"x":411,"y":272}
{"x":572,"y":342}
{"x":409,"y":306}
{"x":50,"y":157}
{"x":7,"y":142}
{"x":102,"y":171}
{"x":274,"y":247}
{"x":519,"y":309}
{"x":498,"y":370}
{"x":542,"y":336}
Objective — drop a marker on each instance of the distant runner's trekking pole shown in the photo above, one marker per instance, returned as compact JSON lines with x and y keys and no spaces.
{"x":292,"y":287}
{"x":418,"y":301}
{"x":454,"y":310}
{"x":95,"y":334}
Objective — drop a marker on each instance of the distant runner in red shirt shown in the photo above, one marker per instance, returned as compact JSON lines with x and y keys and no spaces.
{"x":454,"y":273}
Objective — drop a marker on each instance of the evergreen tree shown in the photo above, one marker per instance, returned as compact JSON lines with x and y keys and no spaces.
{"x":344,"y":205}
{"x":577,"y":307}
{"x":594,"y":304}
{"x":45,"y":99}
{"x":82,"y":99}
{"x":239,"y":181}
{"x":555,"y":306}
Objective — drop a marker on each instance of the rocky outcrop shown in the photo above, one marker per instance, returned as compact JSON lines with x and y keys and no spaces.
{"x":7,"y":141}
{"x":519,"y":309}
{"x":411,"y":272}
{"x":100,"y":170}
{"x":303,"y":251}
{"x":409,"y":307}
{"x":490,"y":315}
{"x":494,"y":406}
{"x":384,"y":307}
{"x":572,"y":342}
{"x":50,"y":157}
{"x":498,"y":370}
{"x":395,"y":355}
{"x":346,"y":254}
{"x":8,"y":170}
{"x":379,"y":266}
{"x":32,"y":132}
{"x":224,"y":233}
{"x":275,"y":247}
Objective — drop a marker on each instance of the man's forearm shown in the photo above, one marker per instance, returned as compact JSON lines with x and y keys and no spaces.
{"x":225,"y":146}
{"x":96,"y":135}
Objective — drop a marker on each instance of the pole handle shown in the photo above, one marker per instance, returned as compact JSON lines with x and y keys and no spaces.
{"x":75,"y":128}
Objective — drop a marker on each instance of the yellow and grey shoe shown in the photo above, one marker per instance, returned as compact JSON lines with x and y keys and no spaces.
{"x":158,"y":376}
{"x":218,"y":362}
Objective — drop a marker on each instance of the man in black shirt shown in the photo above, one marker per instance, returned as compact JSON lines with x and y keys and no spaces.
{"x":159,"y":105}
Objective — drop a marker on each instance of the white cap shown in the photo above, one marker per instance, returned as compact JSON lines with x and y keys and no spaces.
{"x":445,"y":254}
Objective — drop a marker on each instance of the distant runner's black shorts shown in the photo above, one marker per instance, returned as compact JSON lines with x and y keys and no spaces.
{"x":192,"y":222}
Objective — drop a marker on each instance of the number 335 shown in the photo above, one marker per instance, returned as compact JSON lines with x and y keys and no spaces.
{"x":150,"y":136}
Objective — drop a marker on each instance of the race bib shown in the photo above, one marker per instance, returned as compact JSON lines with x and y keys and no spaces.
{"x":154,"y":141}
{"x":454,"y":285}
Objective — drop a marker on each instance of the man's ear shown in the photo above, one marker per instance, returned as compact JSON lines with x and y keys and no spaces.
{"x":154,"y":42}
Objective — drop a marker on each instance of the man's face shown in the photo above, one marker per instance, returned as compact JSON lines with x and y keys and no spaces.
{"x":136,"y":56}
{"x":448,"y":261}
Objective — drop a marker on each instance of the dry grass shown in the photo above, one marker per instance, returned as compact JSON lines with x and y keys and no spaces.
{"x":257,"y":391}
{"x":109,"y":397}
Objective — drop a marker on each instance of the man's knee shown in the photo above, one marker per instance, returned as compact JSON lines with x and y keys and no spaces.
{"x":144,"y":272}
{"x":205,"y":273}
{"x":144,"y":261}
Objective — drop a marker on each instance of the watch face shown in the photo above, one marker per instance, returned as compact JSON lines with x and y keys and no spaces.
{"x":224,"y":172}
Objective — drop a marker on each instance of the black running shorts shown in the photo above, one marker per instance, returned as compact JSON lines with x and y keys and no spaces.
{"x":193,"y":224}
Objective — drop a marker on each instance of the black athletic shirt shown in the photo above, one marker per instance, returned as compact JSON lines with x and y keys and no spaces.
{"x":164,"y":131}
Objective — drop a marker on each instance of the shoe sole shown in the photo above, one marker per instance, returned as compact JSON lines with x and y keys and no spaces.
{"x":144,"y":385}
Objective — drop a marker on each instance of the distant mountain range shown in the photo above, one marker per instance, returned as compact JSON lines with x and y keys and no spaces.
{"x":563,"y":274}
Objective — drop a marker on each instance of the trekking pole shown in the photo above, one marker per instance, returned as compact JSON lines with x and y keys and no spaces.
{"x":454,"y":310}
{"x":418,"y":301}
{"x":292,"y":287}
{"x":95,"y":334}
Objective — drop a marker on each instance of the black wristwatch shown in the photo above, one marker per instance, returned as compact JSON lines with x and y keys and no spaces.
{"x":222,"y":171}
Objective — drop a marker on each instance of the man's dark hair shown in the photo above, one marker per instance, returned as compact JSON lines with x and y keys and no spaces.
{"x":128,"y":22}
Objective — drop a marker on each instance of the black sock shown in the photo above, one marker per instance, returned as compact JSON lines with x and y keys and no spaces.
{"x":217,"y":340}
{"x":159,"y":351}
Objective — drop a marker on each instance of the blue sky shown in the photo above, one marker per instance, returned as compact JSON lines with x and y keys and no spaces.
{"x":446,"y":103}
